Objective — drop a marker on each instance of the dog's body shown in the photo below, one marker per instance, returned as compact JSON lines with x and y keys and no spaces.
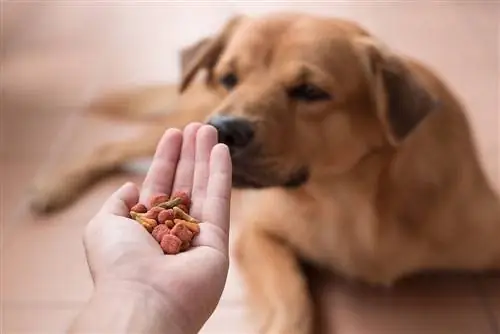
{"x":374,"y":175}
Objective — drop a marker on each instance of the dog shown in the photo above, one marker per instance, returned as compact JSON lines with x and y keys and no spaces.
{"x":349,"y":156}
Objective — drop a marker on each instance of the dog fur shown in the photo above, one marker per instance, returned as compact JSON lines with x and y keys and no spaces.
{"x":394,"y":182}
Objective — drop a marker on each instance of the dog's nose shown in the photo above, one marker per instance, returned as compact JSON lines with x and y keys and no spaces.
{"x":235,"y":132}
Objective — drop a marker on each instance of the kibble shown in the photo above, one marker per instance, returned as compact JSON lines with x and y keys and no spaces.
{"x":182,"y":232}
{"x":170,"y":244}
{"x":166,"y":214}
{"x":159,"y":231}
{"x":168,"y":221}
{"x":139,"y":208}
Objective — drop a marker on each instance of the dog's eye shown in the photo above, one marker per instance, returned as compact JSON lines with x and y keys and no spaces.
{"x":229,"y":81}
{"x":308,"y":92}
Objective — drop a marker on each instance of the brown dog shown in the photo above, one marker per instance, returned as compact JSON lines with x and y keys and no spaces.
{"x":349,"y":156}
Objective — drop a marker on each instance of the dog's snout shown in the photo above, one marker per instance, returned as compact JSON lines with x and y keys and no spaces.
{"x":235,"y":132}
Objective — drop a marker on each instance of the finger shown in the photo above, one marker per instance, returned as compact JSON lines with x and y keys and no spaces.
{"x":161,"y":174}
{"x":185,"y":168}
{"x":212,"y":236}
{"x":120,"y":202}
{"x":205,"y":141}
{"x":217,"y":202}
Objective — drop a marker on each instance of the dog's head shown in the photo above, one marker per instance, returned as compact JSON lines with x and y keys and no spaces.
{"x":302,"y":96}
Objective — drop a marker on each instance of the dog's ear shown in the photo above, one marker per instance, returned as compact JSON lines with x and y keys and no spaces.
{"x":206,"y":53}
{"x":188,"y":53}
{"x":402,"y":100}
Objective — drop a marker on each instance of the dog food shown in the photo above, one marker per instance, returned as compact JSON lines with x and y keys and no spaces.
{"x":168,"y":221}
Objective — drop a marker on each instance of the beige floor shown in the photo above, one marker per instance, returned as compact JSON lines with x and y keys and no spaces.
{"x":58,"y":55}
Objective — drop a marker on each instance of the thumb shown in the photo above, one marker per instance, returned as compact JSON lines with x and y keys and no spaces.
{"x":120,"y":202}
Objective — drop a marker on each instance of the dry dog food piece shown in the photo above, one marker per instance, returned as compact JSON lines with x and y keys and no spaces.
{"x":185,"y":200}
{"x":170,"y":244}
{"x":153,"y":212}
{"x":170,"y":204}
{"x":165,"y":214}
{"x":139,"y":208}
{"x":158,"y":199}
{"x":159,"y":231}
{"x":182,"y":232}
{"x":170,"y":224}
{"x":184,"y":216}
{"x":168,"y":221}
{"x":148,"y":223}
{"x":182,"y":207}
{"x":185,"y":246}
{"x":193,"y":227}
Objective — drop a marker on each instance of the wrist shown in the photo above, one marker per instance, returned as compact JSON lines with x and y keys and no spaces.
{"x":128,"y":307}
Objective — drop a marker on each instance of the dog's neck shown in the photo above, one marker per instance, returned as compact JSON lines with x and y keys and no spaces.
{"x":365,"y":170}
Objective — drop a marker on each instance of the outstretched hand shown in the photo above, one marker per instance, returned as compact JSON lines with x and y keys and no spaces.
{"x":121,"y":252}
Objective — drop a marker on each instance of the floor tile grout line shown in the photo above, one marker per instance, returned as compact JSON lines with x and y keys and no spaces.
{"x":486,"y":305}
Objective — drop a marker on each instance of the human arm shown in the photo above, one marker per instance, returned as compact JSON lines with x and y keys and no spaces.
{"x":129,"y":269}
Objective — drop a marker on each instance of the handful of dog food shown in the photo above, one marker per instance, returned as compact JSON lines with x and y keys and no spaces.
{"x":168,"y":221}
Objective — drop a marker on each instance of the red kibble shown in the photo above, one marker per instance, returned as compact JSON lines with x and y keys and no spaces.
{"x":170,"y":223}
{"x":182,"y":232}
{"x":186,"y":200}
{"x":158,"y":199}
{"x":170,"y":244}
{"x":159,"y":231}
{"x":153,"y":212}
{"x":165,"y":214}
{"x":139,"y":208}
{"x":162,"y":217}
{"x":185,"y":246}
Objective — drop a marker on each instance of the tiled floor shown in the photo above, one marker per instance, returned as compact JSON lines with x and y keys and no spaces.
{"x":57,"y":55}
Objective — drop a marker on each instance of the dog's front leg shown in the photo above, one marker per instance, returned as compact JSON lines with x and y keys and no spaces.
{"x":277,"y":288}
{"x":64,"y":186}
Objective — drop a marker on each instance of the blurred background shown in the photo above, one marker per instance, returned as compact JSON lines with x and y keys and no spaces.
{"x":56,"y":56}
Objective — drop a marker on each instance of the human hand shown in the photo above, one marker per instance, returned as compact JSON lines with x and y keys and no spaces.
{"x":122,"y":255}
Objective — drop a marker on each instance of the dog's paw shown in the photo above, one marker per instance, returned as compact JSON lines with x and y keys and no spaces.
{"x":47,"y":198}
{"x":41,"y":205}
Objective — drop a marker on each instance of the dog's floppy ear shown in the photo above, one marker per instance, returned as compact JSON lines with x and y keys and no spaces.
{"x":205,"y":53}
{"x":402,"y":101}
{"x":188,"y":53}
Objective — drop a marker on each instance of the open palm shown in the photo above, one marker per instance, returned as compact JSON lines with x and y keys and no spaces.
{"x":121,"y":250}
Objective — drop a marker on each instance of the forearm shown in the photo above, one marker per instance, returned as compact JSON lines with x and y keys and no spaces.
{"x":125,"y":309}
